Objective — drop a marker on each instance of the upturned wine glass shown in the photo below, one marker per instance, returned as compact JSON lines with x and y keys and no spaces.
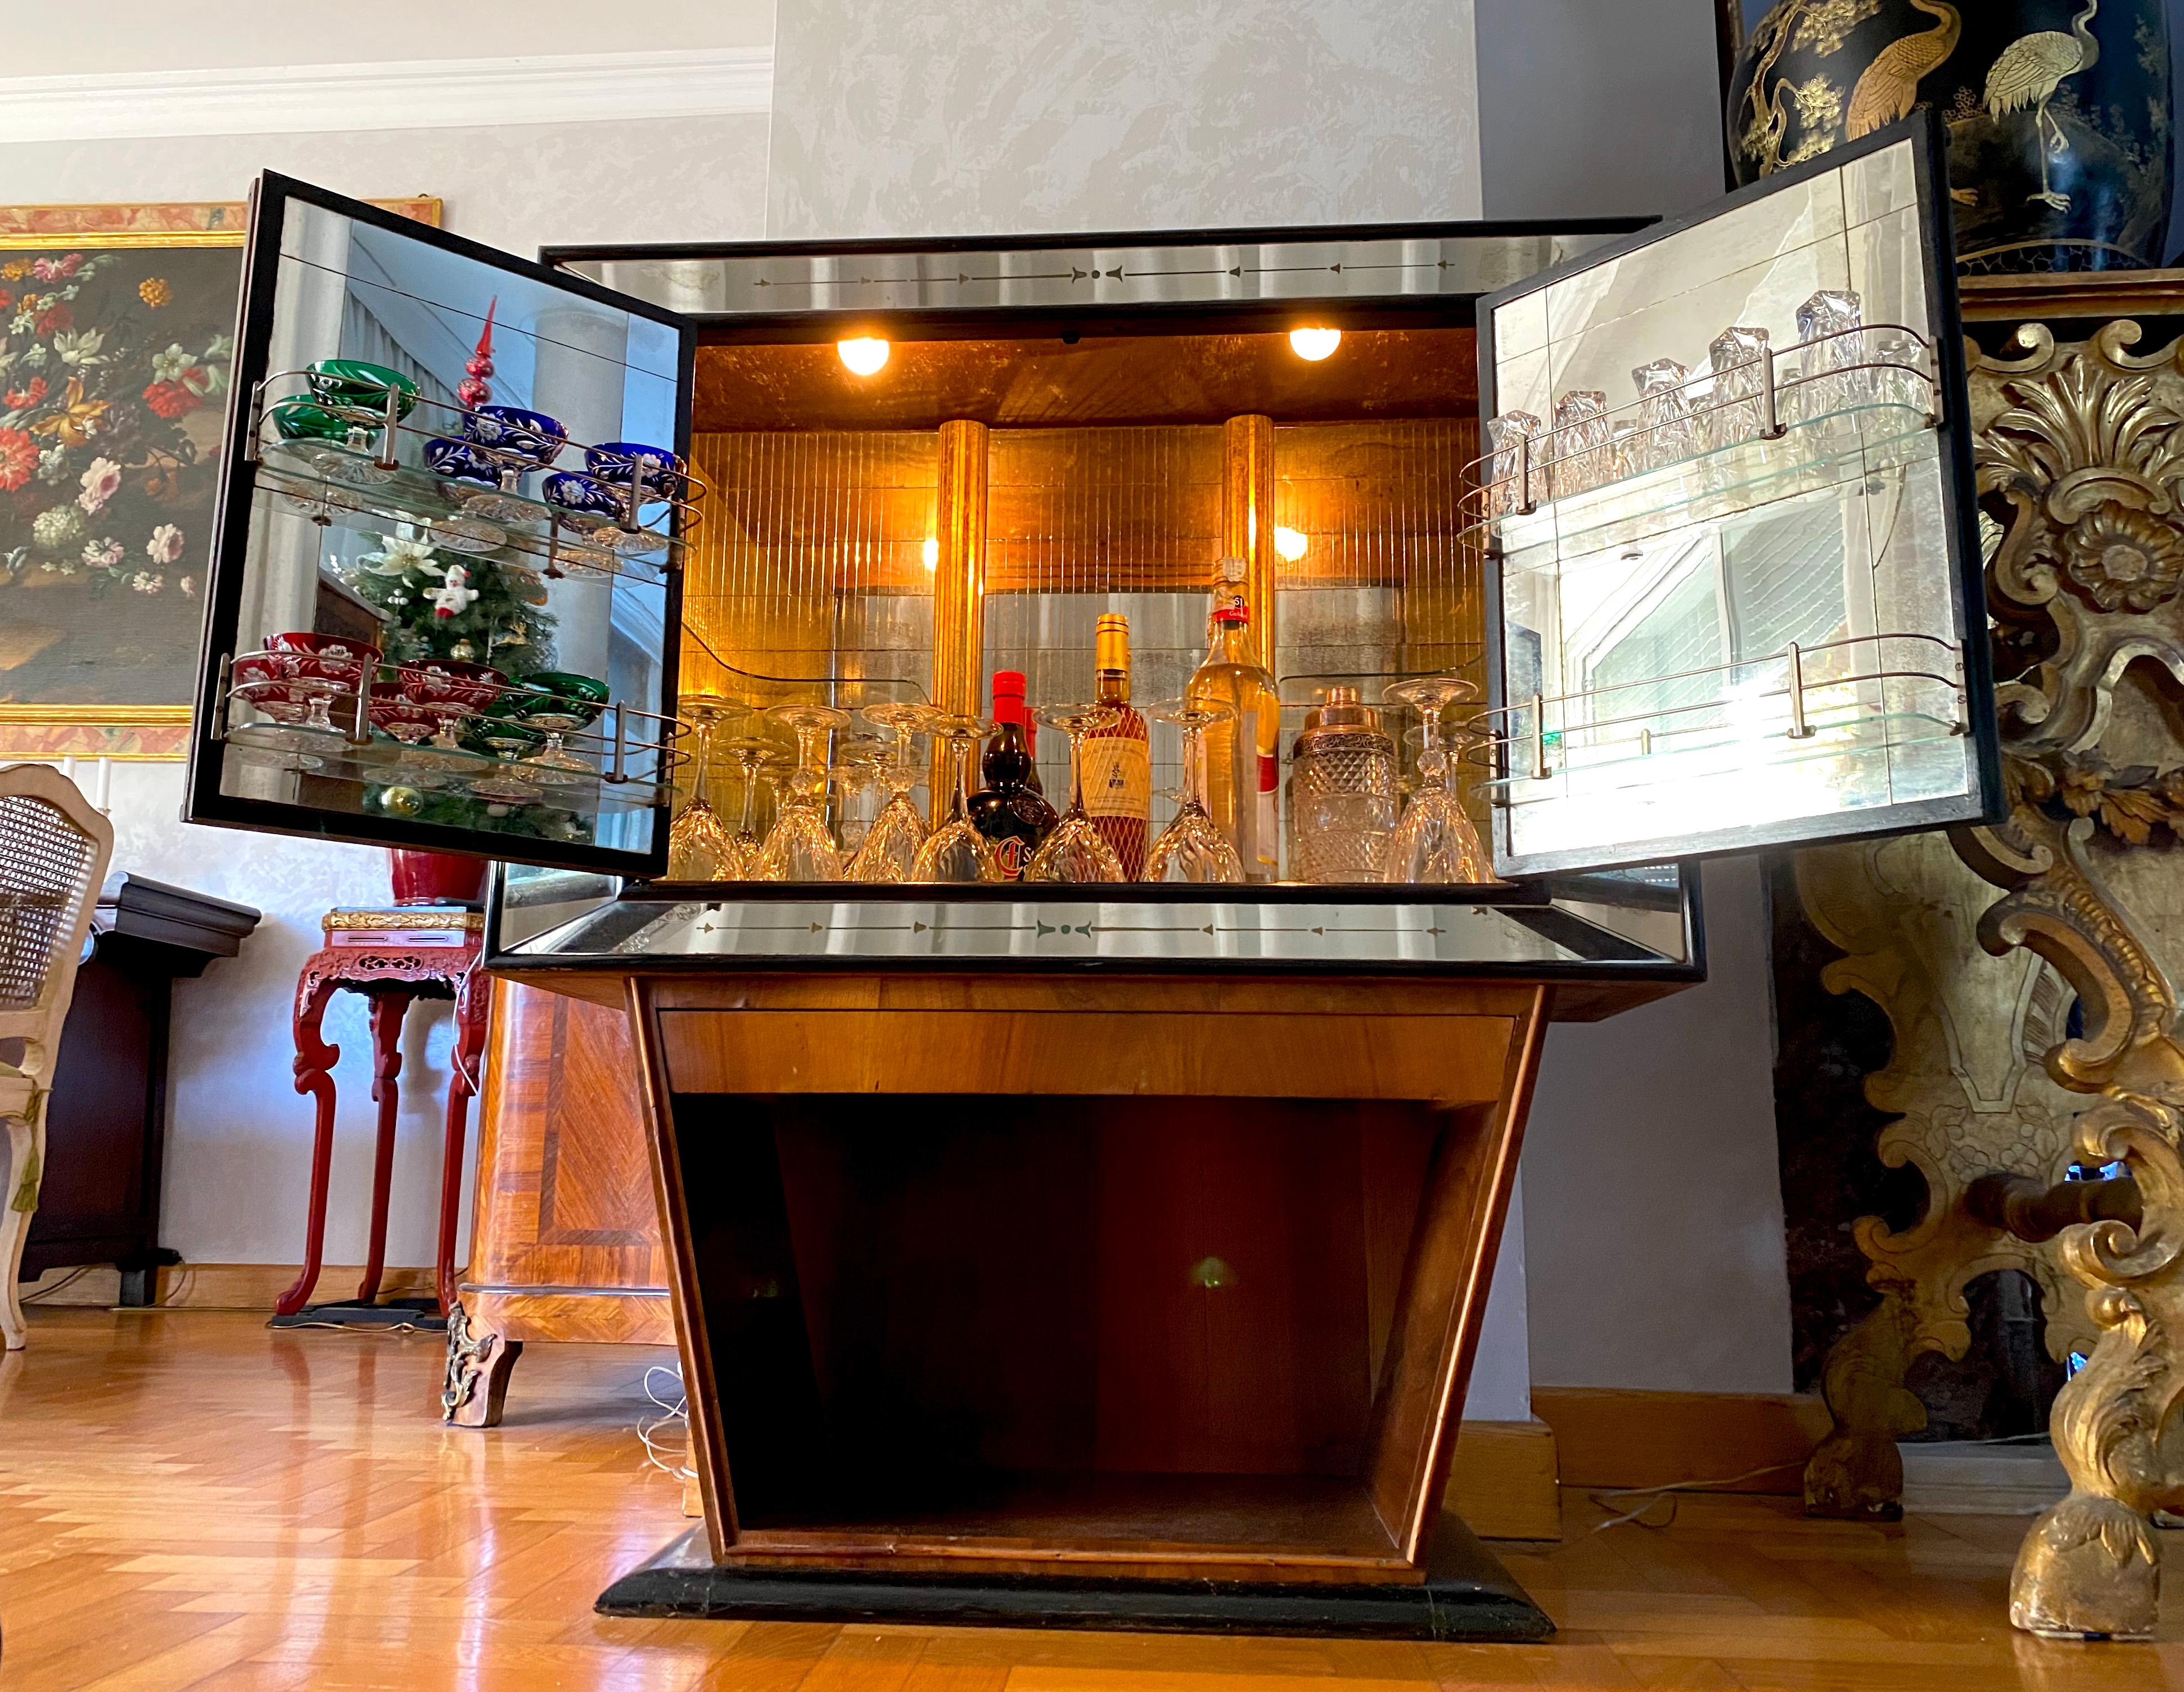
{"x":957,"y":852}
{"x":858,"y":759}
{"x":699,"y":847}
{"x":890,"y":852}
{"x":1192,"y":847}
{"x":800,"y":847}
{"x":749,"y":752}
{"x":1436,"y":843}
{"x":1075,"y":852}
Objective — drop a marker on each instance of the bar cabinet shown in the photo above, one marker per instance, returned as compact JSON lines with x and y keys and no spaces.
{"x":1079,"y":1194}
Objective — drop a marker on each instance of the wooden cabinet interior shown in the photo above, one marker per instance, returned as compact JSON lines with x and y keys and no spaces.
{"x":1031,"y":1274}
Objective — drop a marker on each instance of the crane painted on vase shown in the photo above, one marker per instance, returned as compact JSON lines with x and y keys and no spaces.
{"x":1889,"y":87}
{"x":2029,"y":71}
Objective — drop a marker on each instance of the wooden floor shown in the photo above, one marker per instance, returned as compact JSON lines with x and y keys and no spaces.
{"x":190,"y":1501}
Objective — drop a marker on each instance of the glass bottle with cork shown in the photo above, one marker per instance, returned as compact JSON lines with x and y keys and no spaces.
{"x":1118,"y":769}
{"x":1241,"y":778}
{"x":1008,"y":809}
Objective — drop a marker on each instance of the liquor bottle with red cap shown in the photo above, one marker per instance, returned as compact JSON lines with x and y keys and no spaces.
{"x":1117,"y":756}
{"x":1242,"y":751}
{"x":1009,"y":811}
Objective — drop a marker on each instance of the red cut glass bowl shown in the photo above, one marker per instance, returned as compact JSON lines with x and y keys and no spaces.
{"x":449,"y":688}
{"x":331,"y":664}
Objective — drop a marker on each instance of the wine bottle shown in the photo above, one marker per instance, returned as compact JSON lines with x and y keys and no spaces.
{"x":1118,"y":767}
{"x":1242,"y":751}
{"x":1008,"y":810}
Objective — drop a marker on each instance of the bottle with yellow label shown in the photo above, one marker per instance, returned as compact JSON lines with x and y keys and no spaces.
{"x":1116,"y":760}
{"x":1241,"y":749}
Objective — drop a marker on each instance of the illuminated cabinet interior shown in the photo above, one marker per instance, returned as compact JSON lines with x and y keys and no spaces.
{"x":974,"y":505}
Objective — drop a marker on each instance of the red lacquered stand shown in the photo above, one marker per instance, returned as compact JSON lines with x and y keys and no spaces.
{"x":392,"y":956}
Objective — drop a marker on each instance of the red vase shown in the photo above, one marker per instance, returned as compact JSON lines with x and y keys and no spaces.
{"x":437,"y":878}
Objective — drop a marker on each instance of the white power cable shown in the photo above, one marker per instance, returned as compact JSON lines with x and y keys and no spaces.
{"x":1653,"y":1495}
{"x":676,"y":1411}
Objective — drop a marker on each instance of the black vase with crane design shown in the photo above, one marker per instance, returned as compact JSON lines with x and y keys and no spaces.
{"x":2058,"y":113}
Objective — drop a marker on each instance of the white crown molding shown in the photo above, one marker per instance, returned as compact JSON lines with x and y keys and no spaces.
{"x":444,"y":93}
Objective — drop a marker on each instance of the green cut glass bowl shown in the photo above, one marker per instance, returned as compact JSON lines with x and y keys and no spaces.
{"x":351,"y":381}
{"x":565,"y":700}
{"x":299,"y":419}
{"x":516,"y":699}
{"x":501,"y":737}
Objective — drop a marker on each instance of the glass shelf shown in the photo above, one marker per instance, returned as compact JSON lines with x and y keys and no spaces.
{"x":350,"y":489}
{"x":518,"y":784}
{"x":1858,"y":732}
{"x":1822,"y":452}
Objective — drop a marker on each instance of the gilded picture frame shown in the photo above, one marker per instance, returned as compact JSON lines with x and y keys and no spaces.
{"x":116,"y":335}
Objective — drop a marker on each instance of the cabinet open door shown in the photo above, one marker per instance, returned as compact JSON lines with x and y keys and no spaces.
{"x":1728,"y":498}
{"x":445,"y":605}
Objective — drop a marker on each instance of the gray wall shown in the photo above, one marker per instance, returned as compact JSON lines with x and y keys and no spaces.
{"x":1653,"y":1200}
{"x":1652,"y":1191}
{"x":1597,"y":108}
{"x":943,"y":117}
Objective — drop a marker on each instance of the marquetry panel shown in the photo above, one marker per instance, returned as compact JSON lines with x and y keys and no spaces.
{"x":566,"y":1207}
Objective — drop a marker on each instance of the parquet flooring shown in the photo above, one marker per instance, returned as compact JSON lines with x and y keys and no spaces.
{"x":189,"y":1500}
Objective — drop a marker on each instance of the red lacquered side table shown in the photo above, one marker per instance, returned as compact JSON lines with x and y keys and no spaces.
{"x":392,"y":956}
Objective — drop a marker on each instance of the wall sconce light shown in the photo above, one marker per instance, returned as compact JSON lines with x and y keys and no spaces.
{"x":1313,"y":344}
{"x":1291,"y":544}
{"x":865,"y":354}
{"x":932,"y":552}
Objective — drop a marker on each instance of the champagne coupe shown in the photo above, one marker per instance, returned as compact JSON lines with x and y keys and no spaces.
{"x":1075,"y":852}
{"x":800,"y":847}
{"x":1192,"y":847}
{"x":857,"y":760}
{"x":750,"y":752}
{"x":957,"y":852}
{"x":890,"y":852}
{"x":1436,"y":843}
{"x":699,"y":847}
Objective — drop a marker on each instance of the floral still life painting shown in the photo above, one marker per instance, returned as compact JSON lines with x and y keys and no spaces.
{"x":116,"y":348}
{"x":114,"y":372}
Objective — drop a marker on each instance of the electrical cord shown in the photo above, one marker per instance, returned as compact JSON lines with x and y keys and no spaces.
{"x":67,"y":1280}
{"x":1653,"y":1495}
{"x":677,"y":1412}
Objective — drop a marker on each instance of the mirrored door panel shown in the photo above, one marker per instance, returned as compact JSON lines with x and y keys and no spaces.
{"x":1726,"y":486}
{"x":445,"y":607}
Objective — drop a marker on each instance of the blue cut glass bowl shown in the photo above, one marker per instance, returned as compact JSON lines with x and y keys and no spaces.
{"x":531,"y":435}
{"x":615,"y":462}
{"x":582,"y":494}
{"x":460,"y":461}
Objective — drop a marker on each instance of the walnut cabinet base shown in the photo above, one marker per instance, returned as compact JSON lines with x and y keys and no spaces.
{"x":1137,"y":1302}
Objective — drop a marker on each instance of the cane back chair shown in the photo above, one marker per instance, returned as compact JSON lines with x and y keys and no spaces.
{"x":54,"y":851}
